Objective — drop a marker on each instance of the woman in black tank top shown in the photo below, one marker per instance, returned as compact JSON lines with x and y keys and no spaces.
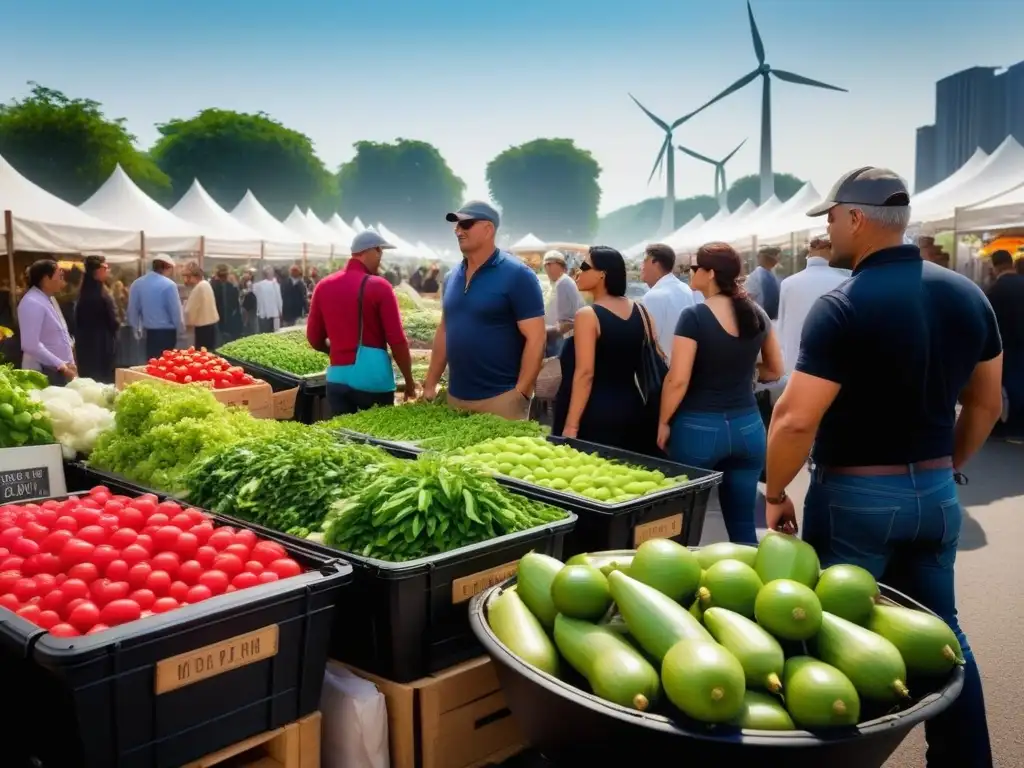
{"x":598,"y":399}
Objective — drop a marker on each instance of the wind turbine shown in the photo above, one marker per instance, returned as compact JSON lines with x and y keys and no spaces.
{"x":765,"y":71}
{"x":666,"y":158}
{"x":721,"y":188}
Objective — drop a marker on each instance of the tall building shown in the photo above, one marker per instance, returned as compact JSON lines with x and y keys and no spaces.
{"x":978,"y":107}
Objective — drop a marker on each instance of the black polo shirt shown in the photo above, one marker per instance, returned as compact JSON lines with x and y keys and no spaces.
{"x":902,"y":337}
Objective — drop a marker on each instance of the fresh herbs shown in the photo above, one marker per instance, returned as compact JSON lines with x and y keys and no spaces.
{"x":288,"y":352}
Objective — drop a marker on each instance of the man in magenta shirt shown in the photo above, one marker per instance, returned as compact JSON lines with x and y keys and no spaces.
{"x":354,"y":317}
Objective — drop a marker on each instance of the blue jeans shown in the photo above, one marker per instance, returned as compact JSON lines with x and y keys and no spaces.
{"x":904,"y":529}
{"x":734,"y":444}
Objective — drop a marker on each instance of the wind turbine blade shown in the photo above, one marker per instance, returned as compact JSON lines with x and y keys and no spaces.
{"x":758,"y":44}
{"x":729,"y":156}
{"x":789,"y":77}
{"x":696,"y":155}
{"x":730,"y":90}
{"x":658,"y":160}
{"x":657,"y":120}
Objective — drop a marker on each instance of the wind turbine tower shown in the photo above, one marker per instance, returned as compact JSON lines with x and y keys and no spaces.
{"x":721,"y":186}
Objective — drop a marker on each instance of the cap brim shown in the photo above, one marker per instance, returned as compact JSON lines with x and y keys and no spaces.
{"x":456,"y":216}
{"x":822,"y":208}
{"x":386,"y":247}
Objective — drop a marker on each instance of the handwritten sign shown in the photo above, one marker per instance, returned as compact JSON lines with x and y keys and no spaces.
{"x":468,"y":586}
{"x":31,"y":472}
{"x":216,"y":659}
{"x":19,"y":484}
{"x":665,"y":528}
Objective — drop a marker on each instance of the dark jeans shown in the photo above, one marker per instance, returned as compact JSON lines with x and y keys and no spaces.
{"x":343,"y":399}
{"x":266,"y":325}
{"x":904,"y":529}
{"x":158,"y":340}
{"x":734,"y":444}
{"x":206,"y":336}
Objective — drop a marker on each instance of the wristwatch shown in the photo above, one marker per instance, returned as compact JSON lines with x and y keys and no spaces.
{"x":777,"y":499}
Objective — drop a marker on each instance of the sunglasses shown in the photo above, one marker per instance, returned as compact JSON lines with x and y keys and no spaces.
{"x":586,"y":267}
{"x":466,"y":224}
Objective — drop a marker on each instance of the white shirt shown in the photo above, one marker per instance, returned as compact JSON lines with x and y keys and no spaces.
{"x":796,"y":297}
{"x":563,"y":301}
{"x":665,"y":301}
{"x":268,"y":299}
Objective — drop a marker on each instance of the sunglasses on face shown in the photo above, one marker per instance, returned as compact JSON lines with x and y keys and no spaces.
{"x":586,"y":267}
{"x":466,"y":224}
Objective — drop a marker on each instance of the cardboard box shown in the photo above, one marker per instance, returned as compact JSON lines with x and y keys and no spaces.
{"x":456,"y":718}
{"x":258,"y":397}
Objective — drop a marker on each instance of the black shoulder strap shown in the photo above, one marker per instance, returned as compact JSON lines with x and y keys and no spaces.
{"x":359,"y":309}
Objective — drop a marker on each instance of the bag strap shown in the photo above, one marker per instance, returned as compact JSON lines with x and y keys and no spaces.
{"x":649,"y":330}
{"x":359,"y":309}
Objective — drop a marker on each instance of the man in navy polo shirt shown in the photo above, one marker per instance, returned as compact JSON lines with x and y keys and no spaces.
{"x":492,"y":333}
{"x":883,"y":360}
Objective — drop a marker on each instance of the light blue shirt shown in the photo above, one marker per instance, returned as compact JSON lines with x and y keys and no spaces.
{"x":154,"y":304}
{"x":665,"y":301}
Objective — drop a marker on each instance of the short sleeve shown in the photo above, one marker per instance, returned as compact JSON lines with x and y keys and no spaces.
{"x":822,"y":342}
{"x":526,"y":295}
{"x":688,"y":324}
{"x":992,"y":344}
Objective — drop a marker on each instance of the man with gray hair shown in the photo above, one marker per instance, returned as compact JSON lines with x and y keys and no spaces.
{"x":875,"y":391}
{"x":565,"y":299}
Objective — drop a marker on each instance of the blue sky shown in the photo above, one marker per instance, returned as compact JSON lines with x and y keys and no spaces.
{"x":477,"y":78}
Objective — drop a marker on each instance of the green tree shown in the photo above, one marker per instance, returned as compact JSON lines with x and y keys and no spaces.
{"x":548,"y":187}
{"x":406,"y":185}
{"x":69,"y":147}
{"x":632,"y":224}
{"x":749,"y":188}
{"x":230,"y":152}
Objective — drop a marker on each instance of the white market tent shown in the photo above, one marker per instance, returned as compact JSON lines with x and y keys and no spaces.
{"x":358,"y":225}
{"x":528,"y":244}
{"x":791,"y":218}
{"x":402,"y":246}
{"x":961,"y":175}
{"x":338,"y":244}
{"x":40,"y":221}
{"x":224,"y":235}
{"x":714,"y":228}
{"x":279,"y":242}
{"x":316,"y":244}
{"x":338,"y":225}
{"x":635,"y":252}
{"x":1001,"y":212}
{"x":123,"y":204}
{"x":746,"y":228}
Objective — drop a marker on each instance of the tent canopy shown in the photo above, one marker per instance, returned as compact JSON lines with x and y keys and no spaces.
{"x":304,"y":230}
{"x":329,"y":233}
{"x":789,"y":218}
{"x":402,"y":246}
{"x":635,"y":252}
{"x":528,"y":244}
{"x":338,"y":225}
{"x":225,"y":235}
{"x":714,"y":227}
{"x":962,"y":174}
{"x":280,"y":243}
{"x":747,"y":227}
{"x":1004,"y":211}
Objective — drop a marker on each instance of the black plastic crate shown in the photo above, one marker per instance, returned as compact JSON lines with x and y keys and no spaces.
{"x":396,"y":448}
{"x":116,"y":699}
{"x":311,"y":399}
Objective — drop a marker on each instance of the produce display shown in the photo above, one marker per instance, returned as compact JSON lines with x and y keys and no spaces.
{"x":23,"y":420}
{"x":288,"y":352}
{"x":160,"y":429}
{"x":683,"y":634}
{"x":411,"y":509}
{"x":183,"y":366}
{"x":83,"y":565}
{"x":420,"y":326}
{"x":286,"y":482}
{"x":79,"y":413}
{"x":562,"y":468}
{"x":433,"y":425}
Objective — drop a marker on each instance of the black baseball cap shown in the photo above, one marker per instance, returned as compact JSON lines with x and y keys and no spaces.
{"x":865,"y":186}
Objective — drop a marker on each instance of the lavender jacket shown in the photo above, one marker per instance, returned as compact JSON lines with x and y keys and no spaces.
{"x":45,"y":341}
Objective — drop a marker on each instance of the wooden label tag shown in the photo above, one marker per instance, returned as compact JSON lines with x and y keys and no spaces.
{"x":465,"y":588}
{"x":665,"y":528}
{"x":212,"y":660}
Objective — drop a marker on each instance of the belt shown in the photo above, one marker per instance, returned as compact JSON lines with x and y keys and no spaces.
{"x":945,"y":462}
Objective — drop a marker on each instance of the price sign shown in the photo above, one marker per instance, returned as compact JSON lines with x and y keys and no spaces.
{"x":20,"y":484}
{"x":33,"y":472}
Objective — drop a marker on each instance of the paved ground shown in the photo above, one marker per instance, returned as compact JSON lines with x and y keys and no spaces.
{"x":990,"y":584}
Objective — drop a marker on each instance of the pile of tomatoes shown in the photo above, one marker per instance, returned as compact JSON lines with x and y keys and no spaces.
{"x":184,"y":366}
{"x":83,"y":565}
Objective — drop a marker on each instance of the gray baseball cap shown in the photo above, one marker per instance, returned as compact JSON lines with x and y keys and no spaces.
{"x":368,"y":239}
{"x":476,"y":210}
{"x":865,"y":186}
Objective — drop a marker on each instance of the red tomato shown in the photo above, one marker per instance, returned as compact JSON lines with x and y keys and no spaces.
{"x":267,"y":552}
{"x":117,"y":570}
{"x":24,"y":589}
{"x":205,"y":555}
{"x":53,"y":600}
{"x":65,"y":523}
{"x":159,"y":519}
{"x":166,"y":561}
{"x":113,"y":507}
{"x":190,"y":571}
{"x":10,"y":535}
{"x":169,"y":508}
{"x":237,"y":549}
{"x":104,"y":591}
{"x":138,"y":574}
{"x":44,"y":562}
{"x":85,"y":516}
{"x":7,"y":581}
{"x":229,"y":563}
{"x":97,"y":628}
{"x":144,"y":597}
{"x":35,"y":532}
{"x":64,"y":630}
{"x":70,"y":605}
{"x":24,"y":547}
{"x":182,"y":520}
{"x":12,"y":563}
{"x":118,"y":612}
{"x":94,"y":534}
{"x":244,"y":580}
{"x":267,"y":576}
{"x":164,"y":604}
{"x":104,"y":555}
{"x":87,"y":572}
{"x":165,"y":537}
{"x":202,"y":532}
{"x":215,"y":581}
{"x":29,"y":613}
{"x":178,"y":590}
{"x":198,"y":516}
{"x":45,"y":582}
{"x":109,"y":523}
{"x":75,"y":551}
{"x":10,"y":602}
{"x":285,"y":567}
{"x":130,"y":517}
{"x":121,"y":538}
{"x":48,"y":619}
{"x":197,"y":594}
{"x":84,"y":616}
{"x":100,"y":495}
{"x":220,"y":539}
{"x":73,"y":589}
{"x":159,"y":582}
{"x":134,"y":553}
{"x":146,"y":542}
{"x":186,"y":546}
{"x":145,"y":505}
{"x":254,"y":566}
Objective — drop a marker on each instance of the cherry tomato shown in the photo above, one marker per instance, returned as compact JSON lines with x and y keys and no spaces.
{"x":267,"y":552}
{"x":30,"y":612}
{"x":179,"y":591}
{"x":285,"y":568}
{"x":44,"y":562}
{"x":100,"y":495}
{"x":166,"y":561}
{"x":220,"y":539}
{"x":133,"y":518}
{"x":164,"y":604}
{"x":267,"y":576}
{"x":85,"y":516}
{"x":113,"y":507}
{"x":84,"y":616}
{"x":144,"y":597}
{"x":182,"y":520}
{"x":70,"y":605}
{"x":246,"y":537}
{"x":25,"y":589}
{"x":10,"y":602}
{"x":45,"y":582}
{"x":215,"y":581}
{"x":104,"y":591}
{"x":244,"y":580}
{"x":197,"y":594}
{"x":74,"y":588}
{"x":146,"y":542}
{"x":64,"y":630}
{"x":254,"y":566}
{"x":48,"y":619}
{"x":202,"y":532}
{"x":10,"y":535}
{"x":159,"y":582}
{"x":134,"y":553}
{"x":198,"y":516}
{"x":186,"y":546}
{"x":12,"y":563}
{"x":205,"y":556}
{"x":87,"y":572}
{"x":121,"y":538}
{"x":229,"y":563}
{"x":158,"y":519}
{"x":7,"y":581}
{"x":117,"y":570}
{"x":138,"y":574}
{"x":34,"y":532}
{"x":118,"y":612}
{"x":53,"y":600}
{"x":97,"y":628}
{"x":75,"y":551}
{"x":190,"y":571}
{"x":105,"y":555}
{"x":24,"y":548}
{"x":46,"y":516}
{"x":145,"y":505}
{"x":109,"y":523}
{"x":65,"y":523}
{"x":169,"y":508}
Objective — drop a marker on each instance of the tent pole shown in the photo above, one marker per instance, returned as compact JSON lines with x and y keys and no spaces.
{"x":142,"y":253}
{"x":952,"y":256}
{"x":792,"y":252}
{"x":263,"y":251}
{"x":9,"y":245}
{"x":202,"y":250}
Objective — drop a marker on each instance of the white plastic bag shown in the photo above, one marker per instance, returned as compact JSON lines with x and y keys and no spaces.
{"x":355,"y":722}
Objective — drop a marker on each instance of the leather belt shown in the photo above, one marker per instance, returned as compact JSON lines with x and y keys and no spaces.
{"x":945,"y":462}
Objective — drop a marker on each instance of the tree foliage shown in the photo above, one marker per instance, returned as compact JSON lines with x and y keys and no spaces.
{"x":69,"y":147}
{"x":231,"y":152}
{"x":749,"y":188}
{"x":406,"y":185}
{"x":548,"y":187}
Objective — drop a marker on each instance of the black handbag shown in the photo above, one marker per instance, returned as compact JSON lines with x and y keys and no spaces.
{"x":653,"y":368}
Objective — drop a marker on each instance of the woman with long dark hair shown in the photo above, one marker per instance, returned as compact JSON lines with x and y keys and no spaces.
{"x":598,"y":399}
{"x":96,"y":323}
{"x":709,"y":417}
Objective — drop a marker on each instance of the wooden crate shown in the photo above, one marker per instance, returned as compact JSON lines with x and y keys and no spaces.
{"x":296,"y":745}
{"x":258,"y":397}
{"x":284,"y":403}
{"x":456,"y":718}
